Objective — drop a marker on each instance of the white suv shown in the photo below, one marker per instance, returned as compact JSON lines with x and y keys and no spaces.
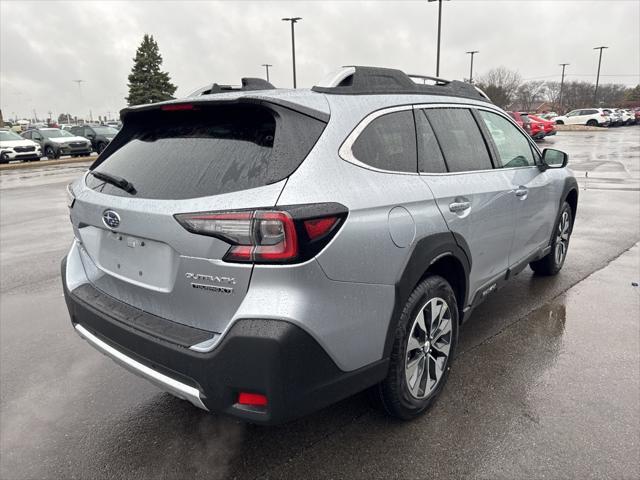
{"x":595,"y":117}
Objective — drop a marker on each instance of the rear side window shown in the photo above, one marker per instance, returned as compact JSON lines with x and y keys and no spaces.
{"x":513,"y":147}
{"x":459,"y":137}
{"x":430,"y":159}
{"x":389,"y":143}
{"x":208,"y":150}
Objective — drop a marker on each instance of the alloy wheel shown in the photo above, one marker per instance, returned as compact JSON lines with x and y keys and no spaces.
{"x":428,"y":347}
{"x":562,"y":238}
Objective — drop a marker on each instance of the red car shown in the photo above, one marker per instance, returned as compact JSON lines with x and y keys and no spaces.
{"x":533,"y":128}
{"x":549,"y":126}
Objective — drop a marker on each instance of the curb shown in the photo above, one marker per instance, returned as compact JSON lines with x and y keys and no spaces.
{"x":44,"y":163}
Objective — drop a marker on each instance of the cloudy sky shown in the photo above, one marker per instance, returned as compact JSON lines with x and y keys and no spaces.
{"x":45,"y":45}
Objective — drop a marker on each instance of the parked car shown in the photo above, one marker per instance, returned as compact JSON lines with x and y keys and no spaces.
{"x":116,"y":125}
{"x":636,"y":114}
{"x":532,"y":127}
{"x":548,"y":125}
{"x":627,"y":117}
{"x":263,"y":255}
{"x":99,"y":135}
{"x":55,"y":142}
{"x":14,"y":147}
{"x":593,"y":117}
{"x":615,"y":117}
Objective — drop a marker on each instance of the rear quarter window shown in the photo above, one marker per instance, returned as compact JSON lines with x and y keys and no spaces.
{"x":208,"y":151}
{"x":389,"y":143}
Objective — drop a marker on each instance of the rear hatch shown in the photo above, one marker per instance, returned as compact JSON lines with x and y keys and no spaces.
{"x":176,"y":159}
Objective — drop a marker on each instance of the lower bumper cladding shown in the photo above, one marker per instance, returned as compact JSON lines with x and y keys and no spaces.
{"x":179,"y":389}
{"x":262,"y":371}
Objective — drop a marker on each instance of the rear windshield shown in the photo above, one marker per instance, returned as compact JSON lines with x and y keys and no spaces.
{"x":207,"y":151}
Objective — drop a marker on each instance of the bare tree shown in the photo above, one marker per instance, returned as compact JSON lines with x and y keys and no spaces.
{"x":530,"y":94}
{"x":501,"y":85}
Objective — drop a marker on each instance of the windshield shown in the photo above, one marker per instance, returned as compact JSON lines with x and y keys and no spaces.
{"x":8,"y":136}
{"x":55,"y":133}
{"x":105,"y":130}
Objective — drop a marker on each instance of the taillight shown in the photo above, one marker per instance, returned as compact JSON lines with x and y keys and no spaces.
{"x":289,"y":235}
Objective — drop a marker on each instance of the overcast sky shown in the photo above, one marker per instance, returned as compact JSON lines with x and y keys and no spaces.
{"x":46,"y":45}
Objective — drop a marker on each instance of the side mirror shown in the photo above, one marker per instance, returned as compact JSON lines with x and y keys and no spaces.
{"x":552,"y":158}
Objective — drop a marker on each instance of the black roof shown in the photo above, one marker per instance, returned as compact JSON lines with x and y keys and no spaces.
{"x":376,"y":80}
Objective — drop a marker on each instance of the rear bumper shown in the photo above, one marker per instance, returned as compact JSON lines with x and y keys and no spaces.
{"x":270,"y":357}
{"x":538,"y":136}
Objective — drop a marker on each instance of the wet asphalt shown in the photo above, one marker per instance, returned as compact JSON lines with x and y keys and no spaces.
{"x":546,"y":383}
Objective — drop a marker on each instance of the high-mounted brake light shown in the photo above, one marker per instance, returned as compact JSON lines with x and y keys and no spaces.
{"x":177,"y":106}
{"x":291,"y":234}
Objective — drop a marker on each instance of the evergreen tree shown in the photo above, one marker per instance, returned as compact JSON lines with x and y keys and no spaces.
{"x":147,"y":84}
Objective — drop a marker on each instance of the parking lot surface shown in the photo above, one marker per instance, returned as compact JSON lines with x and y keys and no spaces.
{"x":546,"y":383}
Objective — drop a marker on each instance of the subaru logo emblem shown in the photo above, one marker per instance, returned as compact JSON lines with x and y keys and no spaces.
{"x":111,"y":219}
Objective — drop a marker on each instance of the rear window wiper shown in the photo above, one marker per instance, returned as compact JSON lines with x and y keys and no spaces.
{"x":119,"y":182}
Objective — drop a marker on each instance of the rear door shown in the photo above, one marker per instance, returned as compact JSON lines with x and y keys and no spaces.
{"x":532,"y":188}
{"x":475,"y":200}
{"x":206,"y":159}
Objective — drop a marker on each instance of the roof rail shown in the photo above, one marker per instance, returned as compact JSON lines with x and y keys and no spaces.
{"x":248,"y":84}
{"x":358,"y":80}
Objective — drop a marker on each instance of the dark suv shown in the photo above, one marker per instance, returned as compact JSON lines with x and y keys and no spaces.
{"x":100,"y":135}
{"x":55,"y":142}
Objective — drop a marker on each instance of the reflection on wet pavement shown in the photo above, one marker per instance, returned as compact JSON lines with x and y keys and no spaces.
{"x":555,"y":395}
{"x":606,"y":160}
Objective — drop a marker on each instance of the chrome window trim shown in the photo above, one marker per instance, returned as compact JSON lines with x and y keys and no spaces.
{"x":346,"y":153}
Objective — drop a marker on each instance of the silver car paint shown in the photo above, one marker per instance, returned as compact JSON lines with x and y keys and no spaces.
{"x":344,"y":297}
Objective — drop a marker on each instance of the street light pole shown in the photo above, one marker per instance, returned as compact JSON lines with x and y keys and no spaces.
{"x":293,"y":20}
{"x":595,"y":93}
{"x":439,"y":31}
{"x":266,"y":66}
{"x":563,"y":65}
{"x":472,"y":53}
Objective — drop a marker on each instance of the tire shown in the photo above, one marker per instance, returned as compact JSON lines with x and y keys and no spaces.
{"x":559,"y":122}
{"x":592,"y":123}
{"x":4,"y":158}
{"x":407,"y":390}
{"x":552,"y":263}
{"x":101,"y":147}
{"x":51,"y":153}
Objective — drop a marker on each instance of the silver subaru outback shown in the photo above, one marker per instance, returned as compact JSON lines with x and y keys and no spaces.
{"x":263,"y":252}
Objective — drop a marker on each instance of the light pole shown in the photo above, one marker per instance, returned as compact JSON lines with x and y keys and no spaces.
{"x":78,"y":82}
{"x":595,"y":93}
{"x":472,"y":53}
{"x":439,"y":30}
{"x":293,"y":21}
{"x":266,"y":66}
{"x":563,"y":65}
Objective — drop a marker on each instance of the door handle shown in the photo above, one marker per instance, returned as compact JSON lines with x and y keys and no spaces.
{"x":457,"y":207}
{"x":521,"y":192}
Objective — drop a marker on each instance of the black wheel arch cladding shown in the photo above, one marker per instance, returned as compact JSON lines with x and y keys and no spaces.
{"x":425,"y":253}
